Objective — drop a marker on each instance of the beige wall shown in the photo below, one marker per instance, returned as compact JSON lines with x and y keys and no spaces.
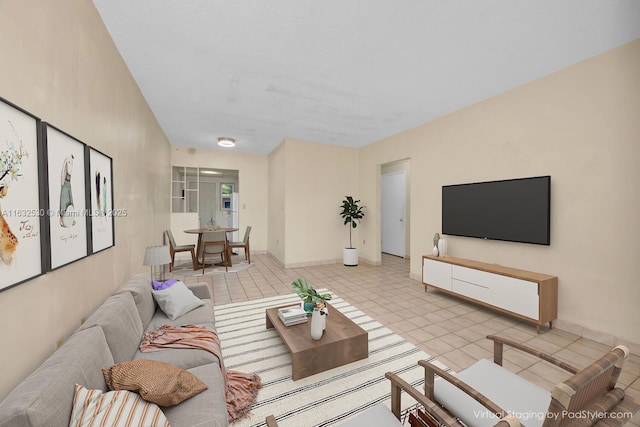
{"x":312,"y":180}
{"x":276,"y":211}
{"x":59,"y":63}
{"x":579,"y":125}
{"x":252,"y":178}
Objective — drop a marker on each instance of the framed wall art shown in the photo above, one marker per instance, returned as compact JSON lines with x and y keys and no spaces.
{"x":22,"y":210}
{"x":101,"y":189}
{"x":67,"y":197}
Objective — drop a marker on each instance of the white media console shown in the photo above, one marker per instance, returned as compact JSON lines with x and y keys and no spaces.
{"x":527,"y":295}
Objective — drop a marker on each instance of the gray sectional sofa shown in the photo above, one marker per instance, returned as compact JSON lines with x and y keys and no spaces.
{"x":112,"y":334}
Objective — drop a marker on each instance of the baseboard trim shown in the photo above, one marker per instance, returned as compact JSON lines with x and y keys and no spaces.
{"x":594,"y":335}
{"x":320,"y":262}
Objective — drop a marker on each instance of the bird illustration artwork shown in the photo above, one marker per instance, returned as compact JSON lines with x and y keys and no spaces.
{"x":98,"y":193}
{"x":104,"y":196}
{"x":66,"y":195}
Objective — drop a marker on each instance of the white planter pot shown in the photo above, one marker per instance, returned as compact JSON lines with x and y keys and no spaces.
{"x":350,"y":256}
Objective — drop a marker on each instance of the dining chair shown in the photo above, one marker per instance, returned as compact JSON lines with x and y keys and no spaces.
{"x":211,"y":243}
{"x":173,"y":248}
{"x":244,"y":244}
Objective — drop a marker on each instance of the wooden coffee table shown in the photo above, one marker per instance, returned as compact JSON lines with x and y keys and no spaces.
{"x":342,"y":342}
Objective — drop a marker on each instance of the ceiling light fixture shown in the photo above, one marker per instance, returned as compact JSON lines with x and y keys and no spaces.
{"x":224,"y":141}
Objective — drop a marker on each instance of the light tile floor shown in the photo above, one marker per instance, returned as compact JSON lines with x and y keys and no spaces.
{"x":446,"y":327}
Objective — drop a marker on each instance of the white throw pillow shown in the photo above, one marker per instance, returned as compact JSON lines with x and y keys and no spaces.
{"x":114,"y":408}
{"x":176,"y":300}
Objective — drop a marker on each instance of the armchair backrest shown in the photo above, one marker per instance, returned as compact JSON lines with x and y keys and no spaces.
{"x":592,"y":387}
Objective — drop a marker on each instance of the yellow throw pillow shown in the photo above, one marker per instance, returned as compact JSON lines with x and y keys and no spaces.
{"x":157,"y":382}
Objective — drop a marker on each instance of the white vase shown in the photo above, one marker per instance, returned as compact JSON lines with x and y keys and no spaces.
{"x":442,"y":247}
{"x":316,"y":324}
{"x":435,"y":251}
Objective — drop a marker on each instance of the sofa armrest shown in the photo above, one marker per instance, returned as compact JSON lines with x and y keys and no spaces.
{"x":201,"y":290}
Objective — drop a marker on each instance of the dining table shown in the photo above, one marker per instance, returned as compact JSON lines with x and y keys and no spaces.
{"x":199,"y":232}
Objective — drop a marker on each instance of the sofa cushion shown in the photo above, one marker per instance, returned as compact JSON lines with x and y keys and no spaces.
{"x":139,"y":287}
{"x":207,"y":409}
{"x":512,"y":393}
{"x":378,"y":415}
{"x":97,"y":408}
{"x":200,"y":289}
{"x":186,"y":358}
{"x":118,"y":317}
{"x":176,"y":300}
{"x":44,"y":398}
{"x":157,"y":382}
{"x":200,"y":316}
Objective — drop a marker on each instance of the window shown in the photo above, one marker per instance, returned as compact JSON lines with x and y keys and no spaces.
{"x":184,"y":189}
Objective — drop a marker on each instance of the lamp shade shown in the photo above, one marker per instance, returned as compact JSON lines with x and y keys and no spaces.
{"x":157,"y":255}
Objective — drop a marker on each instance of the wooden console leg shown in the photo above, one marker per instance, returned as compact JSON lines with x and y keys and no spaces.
{"x":550,"y":324}
{"x":537,"y":328}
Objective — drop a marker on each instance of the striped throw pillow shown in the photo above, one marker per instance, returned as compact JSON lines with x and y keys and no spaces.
{"x":114,"y":408}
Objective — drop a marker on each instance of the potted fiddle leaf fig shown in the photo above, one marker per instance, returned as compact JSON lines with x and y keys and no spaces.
{"x":351,"y":213}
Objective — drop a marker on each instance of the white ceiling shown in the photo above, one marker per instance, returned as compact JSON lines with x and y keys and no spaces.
{"x":345,"y":72}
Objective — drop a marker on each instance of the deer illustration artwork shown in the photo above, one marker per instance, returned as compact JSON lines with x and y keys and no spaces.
{"x":8,"y":240}
{"x":10,"y":160}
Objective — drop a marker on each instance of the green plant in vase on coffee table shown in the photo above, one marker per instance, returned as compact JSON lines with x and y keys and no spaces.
{"x":308,"y":294}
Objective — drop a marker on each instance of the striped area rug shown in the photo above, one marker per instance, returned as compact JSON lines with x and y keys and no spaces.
{"x":324,"y":399}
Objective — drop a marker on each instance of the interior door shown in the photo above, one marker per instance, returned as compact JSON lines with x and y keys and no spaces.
{"x":393,"y":213}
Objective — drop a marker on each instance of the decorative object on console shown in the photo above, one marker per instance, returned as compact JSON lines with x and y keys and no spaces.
{"x":436,"y":237}
{"x":351,"y":213}
{"x":308,"y":294}
{"x":435,"y":251}
{"x":157,"y":257}
{"x":442,"y":247}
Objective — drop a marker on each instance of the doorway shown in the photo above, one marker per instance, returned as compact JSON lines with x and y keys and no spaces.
{"x":393,"y":213}
{"x":207,"y":204}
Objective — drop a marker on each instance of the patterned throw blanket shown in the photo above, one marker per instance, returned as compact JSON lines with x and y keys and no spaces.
{"x":241,"y":389}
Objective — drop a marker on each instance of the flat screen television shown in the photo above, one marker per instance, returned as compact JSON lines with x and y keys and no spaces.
{"x":514,"y":210}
